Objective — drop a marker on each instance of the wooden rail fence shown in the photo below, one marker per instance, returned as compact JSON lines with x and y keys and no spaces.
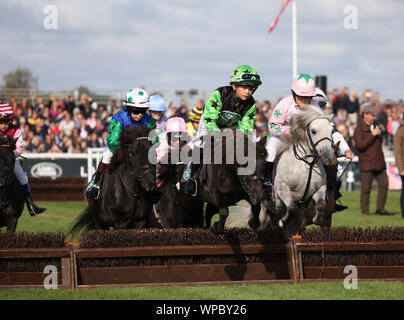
{"x":290,"y":266}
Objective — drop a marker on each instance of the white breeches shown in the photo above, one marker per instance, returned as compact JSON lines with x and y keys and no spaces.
{"x":106,"y":156}
{"x":19,"y":173}
{"x":273,"y":145}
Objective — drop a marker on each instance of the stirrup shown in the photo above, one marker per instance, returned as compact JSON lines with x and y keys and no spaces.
{"x":93,"y":192}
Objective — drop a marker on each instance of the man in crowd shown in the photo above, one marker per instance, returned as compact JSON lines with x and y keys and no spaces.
{"x":368,"y":143}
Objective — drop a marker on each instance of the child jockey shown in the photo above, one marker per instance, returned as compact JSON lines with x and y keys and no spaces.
{"x":303,"y":90}
{"x":194,"y":117}
{"x":343,"y":149}
{"x":174,"y":137}
{"x":133,"y":114}
{"x":7,"y":128}
{"x":157,"y":108}
{"x":226,"y":107}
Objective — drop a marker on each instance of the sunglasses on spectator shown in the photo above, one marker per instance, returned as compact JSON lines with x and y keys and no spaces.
{"x":138,"y":110}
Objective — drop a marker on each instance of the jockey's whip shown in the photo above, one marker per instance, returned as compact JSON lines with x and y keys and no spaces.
{"x":346,"y":167}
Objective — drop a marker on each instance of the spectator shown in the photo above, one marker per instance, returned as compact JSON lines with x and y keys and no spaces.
{"x":54,"y":148}
{"x":371,"y":161}
{"x":67,"y":124}
{"x":182,"y":111}
{"x":92,"y":121}
{"x":53,"y":127}
{"x":399,"y":157}
{"x":336,"y":101}
{"x":99,"y":127}
{"x":34,"y":119}
{"x":33,"y":146}
{"x":69,"y":103}
{"x":350,"y":103}
{"x":93,"y":141}
{"x":392,"y":125}
{"x":111,"y":106}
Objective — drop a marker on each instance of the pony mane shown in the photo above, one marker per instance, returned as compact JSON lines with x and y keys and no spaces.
{"x":125,"y":139}
{"x":300,"y":121}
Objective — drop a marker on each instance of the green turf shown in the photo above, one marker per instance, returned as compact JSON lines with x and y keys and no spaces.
{"x":60,"y":216}
{"x":370,"y":290}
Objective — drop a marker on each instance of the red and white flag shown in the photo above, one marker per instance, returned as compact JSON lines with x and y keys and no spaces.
{"x":283,"y":6}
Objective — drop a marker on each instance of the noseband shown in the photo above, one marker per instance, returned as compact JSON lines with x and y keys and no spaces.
{"x":314,"y":154}
{"x":312,"y":144}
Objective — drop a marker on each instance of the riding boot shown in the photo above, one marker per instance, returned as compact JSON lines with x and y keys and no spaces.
{"x":33,"y":209}
{"x":337,"y":194}
{"x":93,"y":187}
{"x":267,"y":174}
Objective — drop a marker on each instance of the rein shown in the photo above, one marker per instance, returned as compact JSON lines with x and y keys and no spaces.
{"x":314,"y":155}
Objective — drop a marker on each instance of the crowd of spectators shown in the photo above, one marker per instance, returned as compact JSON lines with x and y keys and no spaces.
{"x":57,"y":125}
{"x":347,"y":108}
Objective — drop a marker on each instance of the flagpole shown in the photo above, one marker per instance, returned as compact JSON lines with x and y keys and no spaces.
{"x":294,"y":39}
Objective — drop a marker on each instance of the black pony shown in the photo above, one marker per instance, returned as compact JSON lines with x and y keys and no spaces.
{"x":176,"y":208}
{"x":224,"y":186}
{"x":12,"y":194}
{"x":128,"y":188}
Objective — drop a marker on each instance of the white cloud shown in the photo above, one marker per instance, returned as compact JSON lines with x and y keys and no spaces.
{"x":182,"y":44}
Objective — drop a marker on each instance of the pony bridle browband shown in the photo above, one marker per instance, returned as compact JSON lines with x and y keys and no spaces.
{"x":314,"y":155}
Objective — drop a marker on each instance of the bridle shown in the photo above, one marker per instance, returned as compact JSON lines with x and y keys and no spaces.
{"x":132,"y":170}
{"x":314,"y":154}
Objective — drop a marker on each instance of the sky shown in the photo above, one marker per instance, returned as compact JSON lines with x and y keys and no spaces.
{"x":185,"y":44}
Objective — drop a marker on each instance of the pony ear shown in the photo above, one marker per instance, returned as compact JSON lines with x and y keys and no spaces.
{"x":330,"y":117}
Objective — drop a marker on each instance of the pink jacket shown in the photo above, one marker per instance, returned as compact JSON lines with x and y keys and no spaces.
{"x":15,"y":132}
{"x":279,"y":123}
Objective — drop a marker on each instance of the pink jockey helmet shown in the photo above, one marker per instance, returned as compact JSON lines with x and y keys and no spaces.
{"x":176,"y":125}
{"x":303,"y":85}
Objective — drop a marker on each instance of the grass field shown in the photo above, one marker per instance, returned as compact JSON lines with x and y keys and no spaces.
{"x":60,"y":216}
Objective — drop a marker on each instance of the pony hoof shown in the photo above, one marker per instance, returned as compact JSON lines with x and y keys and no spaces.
{"x":254,"y":223}
{"x":215,"y":229}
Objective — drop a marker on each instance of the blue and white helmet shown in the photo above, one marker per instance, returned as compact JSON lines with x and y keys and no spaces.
{"x":157,"y":103}
{"x":136,"y":98}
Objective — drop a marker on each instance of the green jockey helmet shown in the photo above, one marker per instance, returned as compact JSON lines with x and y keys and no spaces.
{"x":244,"y":75}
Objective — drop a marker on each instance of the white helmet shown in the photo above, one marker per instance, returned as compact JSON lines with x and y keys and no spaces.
{"x":136,"y":98}
{"x":320,"y":98}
